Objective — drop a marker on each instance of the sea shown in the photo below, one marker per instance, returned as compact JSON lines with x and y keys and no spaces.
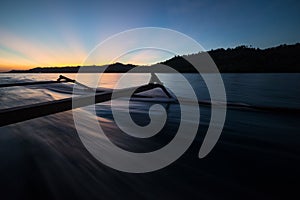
{"x":256,"y":157}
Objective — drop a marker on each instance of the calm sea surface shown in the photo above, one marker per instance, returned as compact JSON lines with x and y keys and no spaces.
{"x":257,"y":156}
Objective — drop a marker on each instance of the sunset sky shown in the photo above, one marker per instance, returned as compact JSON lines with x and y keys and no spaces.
{"x":58,"y":33}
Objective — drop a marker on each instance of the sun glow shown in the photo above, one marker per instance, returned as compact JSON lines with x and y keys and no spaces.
{"x":22,"y":53}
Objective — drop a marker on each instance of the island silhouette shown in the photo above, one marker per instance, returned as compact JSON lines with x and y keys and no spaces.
{"x":241,"y":59}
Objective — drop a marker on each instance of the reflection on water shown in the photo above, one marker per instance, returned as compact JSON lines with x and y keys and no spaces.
{"x":257,"y":156}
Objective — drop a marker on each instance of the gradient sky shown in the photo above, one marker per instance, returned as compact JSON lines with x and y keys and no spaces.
{"x":56,"y":33}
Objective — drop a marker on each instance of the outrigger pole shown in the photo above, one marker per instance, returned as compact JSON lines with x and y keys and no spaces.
{"x":27,"y":112}
{"x":61,"y":79}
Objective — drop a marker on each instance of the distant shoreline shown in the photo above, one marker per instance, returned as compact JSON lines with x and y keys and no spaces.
{"x":242,"y":59}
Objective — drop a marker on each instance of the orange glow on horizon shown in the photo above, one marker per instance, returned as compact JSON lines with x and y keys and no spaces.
{"x":21,"y":53}
{"x":17,"y":53}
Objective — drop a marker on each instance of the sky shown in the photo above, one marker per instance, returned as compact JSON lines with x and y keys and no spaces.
{"x":37,"y":33}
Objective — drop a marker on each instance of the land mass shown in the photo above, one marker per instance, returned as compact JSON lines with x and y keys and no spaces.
{"x":242,"y":59}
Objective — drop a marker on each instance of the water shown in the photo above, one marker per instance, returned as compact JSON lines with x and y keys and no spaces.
{"x":257,"y":156}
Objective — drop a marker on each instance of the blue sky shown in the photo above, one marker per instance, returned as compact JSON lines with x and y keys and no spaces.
{"x":34,"y":31}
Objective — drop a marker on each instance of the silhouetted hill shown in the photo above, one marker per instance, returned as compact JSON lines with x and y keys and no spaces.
{"x":283,"y":58}
{"x":113,"y":68}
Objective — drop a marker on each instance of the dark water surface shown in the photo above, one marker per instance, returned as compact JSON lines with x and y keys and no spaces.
{"x":256,"y":157}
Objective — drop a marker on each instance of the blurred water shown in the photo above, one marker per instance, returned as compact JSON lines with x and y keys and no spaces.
{"x":275,"y":90}
{"x":257,"y":156}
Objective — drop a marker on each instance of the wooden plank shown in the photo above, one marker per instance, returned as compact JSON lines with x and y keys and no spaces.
{"x":23,"y":113}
